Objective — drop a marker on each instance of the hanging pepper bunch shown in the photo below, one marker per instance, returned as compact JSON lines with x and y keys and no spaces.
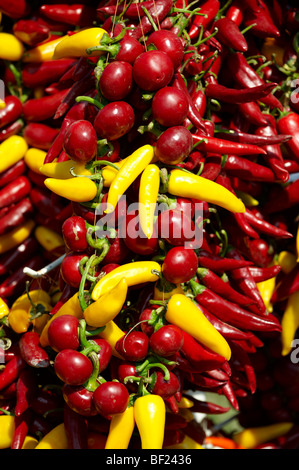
{"x":149,"y":223}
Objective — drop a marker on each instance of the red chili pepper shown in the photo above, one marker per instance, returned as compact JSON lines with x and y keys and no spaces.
{"x":39,"y":135}
{"x":12,"y":173}
{"x":76,"y":15}
{"x":220,"y":264}
{"x":15,"y":9}
{"x":14,"y":284}
{"x":252,"y":113}
{"x":204,"y":382}
{"x":289,"y":123}
{"x":246,"y":283}
{"x":233,"y":313}
{"x":238,"y":96}
{"x":208,"y":10}
{"x":263,"y":274}
{"x":22,"y":424}
{"x":282,"y":198}
{"x":212,"y":166}
{"x":291,"y":166}
{"x":206,"y":407}
{"x":261,"y":20}
{"x":287,"y":286}
{"x":228,"y":391}
{"x":15,"y":191}
{"x":158,"y":11}
{"x":248,"y":170}
{"x":26,"y":389}
{"x":245,"y":76}
{"x":16,"y":216}
{"x":261,"y":225}
{"x":12,"y":110}
{"x":36,"y":178}
{"x":11,"y":129}
{"x":240,"y":359}
{"x":134,"y":10}
{"x":31,"y":32}
{"x":76,"y":112}
{"x":81,"y":87}
{"x":40,"y":109}
{"x":18,"y":256}
{"x":76,"y":429}
{"x":195,"y":431}
{"x":209,"y":279}
{"x":44,"y":73}
{"x":224,"y":147}
{"x":235,"y":12}
{"x":255,"y":139}
{"x":32,"y":352}
{"x":11,"y":371}
{"x":199,"y":357}
{"x":230,"y":35}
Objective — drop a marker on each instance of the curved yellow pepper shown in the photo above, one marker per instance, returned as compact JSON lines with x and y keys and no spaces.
{"x":4,"y":309}
{"x":150,"y":413}
{"x":12,"y":150}
{"x":29,"y":443}
{"x":182,"y":312}
{"x":163,"y":295}
{"x":77,"y":44}
{"x":100,"y":312}
{"x":70,"y":307}
{"x":109,"y":173}
{"x":127,"y":174}
{"x":134,"y":273}
{"x":247,"y":198}
{"x":61,"y":170}
{"x":55,"y":439}
{"x":47,"y":238}
{"x":76,"y":189}
{"x":41,"y":53}
{"x":12,"y":48}
{"x":19,"y":314}
{"x":34,"y":159}
{"x":252,"y":437}
{"x":121,"y":429}
{"x":183,"y":184}
{"x":287,"y":261}
{"x":148,"y":193}
{"x":290,"y":323}
{"x":16,"y":236}
{"x":7,"y":428}
{"x":112,"y":333}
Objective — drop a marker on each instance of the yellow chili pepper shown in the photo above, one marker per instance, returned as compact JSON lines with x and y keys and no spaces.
{"x":100,"y":312}
{"x":183,"y":184}
{"x":34,"y":159}
{"x":266,"y":289}
{"x":287,"y":261}
{"x":182,"y":312}
{"x":42,"y":52}
{"x":61,"y":170}
{"x":185,"y":403}
{"x":70,"y":307}
{"x":121,"y":429}
{"x":290,"y":323}
{"x":248,"y":200}
{"x":187,"y":443}
{"x":112,"y":333}
{"x":55,"y":439}
{"x":12,"y":48}
{"x":19,"y":314}
{"x":4,"y":309}
{"x":109,"y":173}
{"x":47,"y":238}
{"x":12,"y":150}
{"x":150,"y":412}
{"x":29,"y":443}
{"x":76,"y":189}
{"x":252,"y":437}
{"x":77,"y":44}
{"x":15,"y":237}
{"x":297,"y":244}
{"x":148,"y":193}
{"x":7,"y":429}
{"x":129,"y":171}
{"x":134,"y":273}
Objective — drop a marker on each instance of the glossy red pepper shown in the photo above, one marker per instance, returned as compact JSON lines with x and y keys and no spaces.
{"x":12,"y":173}
{"x":158,"y":11}
{"x":15,"y":283}
{"x":220,"y":264}
{"x":248,"y":170}
{"x":41,"y":199}
{"x":237,"y":96}
{"x":11,"y":129}
{"x":83,"y":86}
{"x":15,"y":9}
{"x":17,"y":215}
{"x":14,"y":191}
{"x":44,"y":73}
{"x":40,"y":135}
{"x":11,"y":371}
{"x":255,"y":139}
{"x":288,"y":284}
{"x":18,"y":256}
{"x":282,"y":198}
{"x":40,"y":109}
{"x":22,"y":423}
{"x":224,"y":147}
{"x":260,"y":19}
{"x":262,"y":226}
{"x":263,"y":274}
{"x":230,"y":35}
{"x":26,"y":389}
{"x":235,"y":12}
{"x":31,"y":32}
{"x":199,"y":357}
{"x":12,"y":110}
{"x":76,"y":15}
{"x":288,"y":123}
{"x":209,"y":10}
{"x":32,"y":352}
{"x":252,"y":113}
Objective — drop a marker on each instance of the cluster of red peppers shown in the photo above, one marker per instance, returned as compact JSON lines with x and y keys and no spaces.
{"x":149,"y":242}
